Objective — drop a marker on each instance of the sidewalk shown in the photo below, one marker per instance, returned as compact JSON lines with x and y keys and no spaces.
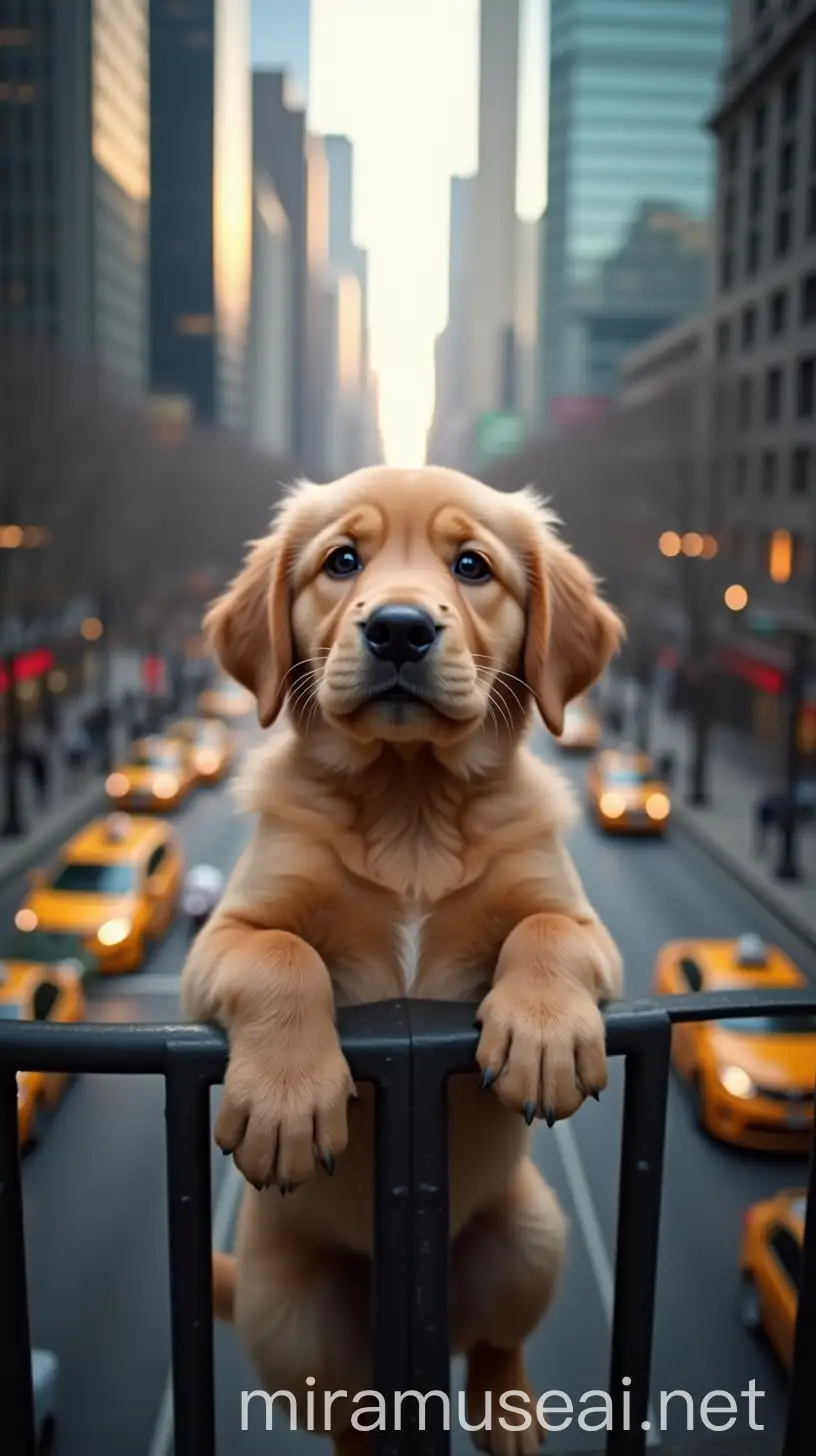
{"x":724,"y":829}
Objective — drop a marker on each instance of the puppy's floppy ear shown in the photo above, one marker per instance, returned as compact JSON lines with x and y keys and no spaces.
{"x":571,"y":632}
{"x":249,"y":629}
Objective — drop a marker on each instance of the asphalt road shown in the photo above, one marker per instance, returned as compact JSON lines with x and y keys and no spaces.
{"x":95,"y":1197}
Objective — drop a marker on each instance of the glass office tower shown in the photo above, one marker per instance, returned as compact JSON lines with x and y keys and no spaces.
{"x":631,"y":184}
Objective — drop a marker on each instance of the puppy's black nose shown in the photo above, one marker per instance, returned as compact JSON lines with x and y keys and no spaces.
{"x":399,"y":634}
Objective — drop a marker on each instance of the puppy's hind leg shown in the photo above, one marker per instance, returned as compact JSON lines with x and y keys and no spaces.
{"x":506,"y":1264}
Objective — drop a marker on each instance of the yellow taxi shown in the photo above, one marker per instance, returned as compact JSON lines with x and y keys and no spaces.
{"x":625,"y":793}
{"x":211,"y":745}
{"x":751,"y":1079}
{"x":39,"y":993}
{"x":116,"y":886}
{"x":771,"y":1266}
{"x":158,"y":775}
{"x":582,"y":727}
{"x":226,"y":699}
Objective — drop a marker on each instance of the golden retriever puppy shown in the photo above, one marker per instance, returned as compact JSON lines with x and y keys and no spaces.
{"x":406,"y":844}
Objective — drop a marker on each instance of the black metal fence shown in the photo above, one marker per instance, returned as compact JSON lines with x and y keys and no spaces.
{"x":408,"y":1049}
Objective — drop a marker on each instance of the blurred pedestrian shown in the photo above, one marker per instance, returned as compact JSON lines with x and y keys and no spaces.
{"x":49,"y":715}
{"x":767,"y":815}
{"x":77,"y":749}
{"x":203,"y":889}
{"x":36,"y":755}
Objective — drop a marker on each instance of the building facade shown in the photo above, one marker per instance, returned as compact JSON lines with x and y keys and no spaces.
{"x":279,"y":152}
{"x":449,"y":435}
{"x":631,"y":184}
{"x":491,"y":236}
{"x":269,"y":377}
{"x":764,"y":315}
{"x":201,"y":206}
{"x":75,"y":182}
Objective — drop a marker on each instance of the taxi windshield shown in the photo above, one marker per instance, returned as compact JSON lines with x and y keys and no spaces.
{"x":164,"y":757}
{"x":785,"y":1024}
{"x":628,"y":776}
{"x":44,"y":946}
{"x":95,"y":879}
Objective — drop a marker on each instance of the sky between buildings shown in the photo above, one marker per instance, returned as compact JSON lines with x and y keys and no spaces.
{"x":399,"y":77}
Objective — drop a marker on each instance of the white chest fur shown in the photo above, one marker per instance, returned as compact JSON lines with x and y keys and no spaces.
{"x":409,"y":946}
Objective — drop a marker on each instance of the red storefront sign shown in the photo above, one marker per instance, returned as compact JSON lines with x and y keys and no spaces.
{"x":153,"y":674}
{"x":27,"y":665}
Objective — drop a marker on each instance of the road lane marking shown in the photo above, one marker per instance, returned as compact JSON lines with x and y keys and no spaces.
{"x":590,"y":1226}
{"x":226,"y":1206}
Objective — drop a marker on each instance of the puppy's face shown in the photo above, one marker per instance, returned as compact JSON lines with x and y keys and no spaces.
{"x":413,"y":607}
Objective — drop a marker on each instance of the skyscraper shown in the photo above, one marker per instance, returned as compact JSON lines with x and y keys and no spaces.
{"x":201,"y":212}
{"x":280,"y":41}
{"x":75,"y":180}
{"x":491,"y":257}
{"x":631,"y":182}
{"x":450,"y":427}
{"x":344,"y":254}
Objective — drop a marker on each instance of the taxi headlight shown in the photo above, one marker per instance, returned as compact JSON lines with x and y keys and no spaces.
{"x":113,"y":932}
{"x":26,"y":919}
{"x":206,"y":760}
{"x":165,"y":785}
{"x":736,"y":1081}
{"x":116,"y":785}
{"x":612,"y":806}
{"x":658,"y":806}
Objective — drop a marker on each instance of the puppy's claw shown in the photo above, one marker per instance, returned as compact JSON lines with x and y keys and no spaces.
{"x":594,"y":1092}
{"x":549,"y":1117}
{"x":529,"y":1112}
{"x":327,"y":1160}
{"x":286,"y":1187}
{"x":488,"y":1078}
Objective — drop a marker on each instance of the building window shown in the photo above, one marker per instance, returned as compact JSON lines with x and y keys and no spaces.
{"x":723,"y":339}
{"x":729,"y":213}
{"x":790,"y":96}
{"x":777,"y":313}
{"x":779,"y":555}
{"x":768,"y":472}
{"x":773,"y":395}
{"x":753,"y":252}
{"x":782,"y":234}
{"x":801,"y":461}
{"x":740,"y":475}
{"x":755,"y":193}
{"x":787,"y":167}
{"x":749,"y":319}
{"x":759,"y":126}
{"x":194,"y":325}
{"x":732,"y":152}
{"x":808,"y":299}
{"x":745,"y":402}
{"x":726,"y":268}
{"x":806,"y":388}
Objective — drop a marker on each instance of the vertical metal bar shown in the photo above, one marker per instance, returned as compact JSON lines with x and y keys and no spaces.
{"x":431,"y":1056}
{"x":641,"y":1180}
{"x":16,"y":1393}
{"x":799,"y":1420}
{"x":190,"y":1237}
{"x":389,"y":1065}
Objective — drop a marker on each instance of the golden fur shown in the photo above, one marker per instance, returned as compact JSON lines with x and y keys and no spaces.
{"x":402,"y":850}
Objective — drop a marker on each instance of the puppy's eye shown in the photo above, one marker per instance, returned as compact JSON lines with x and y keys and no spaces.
{"x":344,"y":561}
{"x":470,"y":566}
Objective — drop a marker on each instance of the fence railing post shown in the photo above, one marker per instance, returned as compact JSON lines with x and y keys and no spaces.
{"x":16,"y":1392}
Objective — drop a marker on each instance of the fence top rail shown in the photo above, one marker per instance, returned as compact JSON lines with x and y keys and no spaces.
{"x":369,"y":1034}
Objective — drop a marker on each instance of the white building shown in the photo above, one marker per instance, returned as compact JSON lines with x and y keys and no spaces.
{"x":270,"y":382}
{"x":527,"y":313}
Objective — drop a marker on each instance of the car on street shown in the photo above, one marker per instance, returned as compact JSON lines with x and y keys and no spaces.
{"x":751,"y":1079}
{"x":116,"y":884}
{"x":626,"y":794}
{"x":211,"y":746}
{"x":39,"y":993}
{"x":158,"y":775}
{"x":771,"y":1259}
{"x":226,"y":699}
{"x":582,"y":728}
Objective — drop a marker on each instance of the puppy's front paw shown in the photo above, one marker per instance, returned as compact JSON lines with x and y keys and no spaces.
{"x":284,"y":1105}
{"x":542,"y":1045}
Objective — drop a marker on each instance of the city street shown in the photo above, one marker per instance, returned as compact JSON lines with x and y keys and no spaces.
{"x":95,"y":1205}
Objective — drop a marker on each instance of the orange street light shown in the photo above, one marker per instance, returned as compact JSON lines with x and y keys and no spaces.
{"x":736,"y":597}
